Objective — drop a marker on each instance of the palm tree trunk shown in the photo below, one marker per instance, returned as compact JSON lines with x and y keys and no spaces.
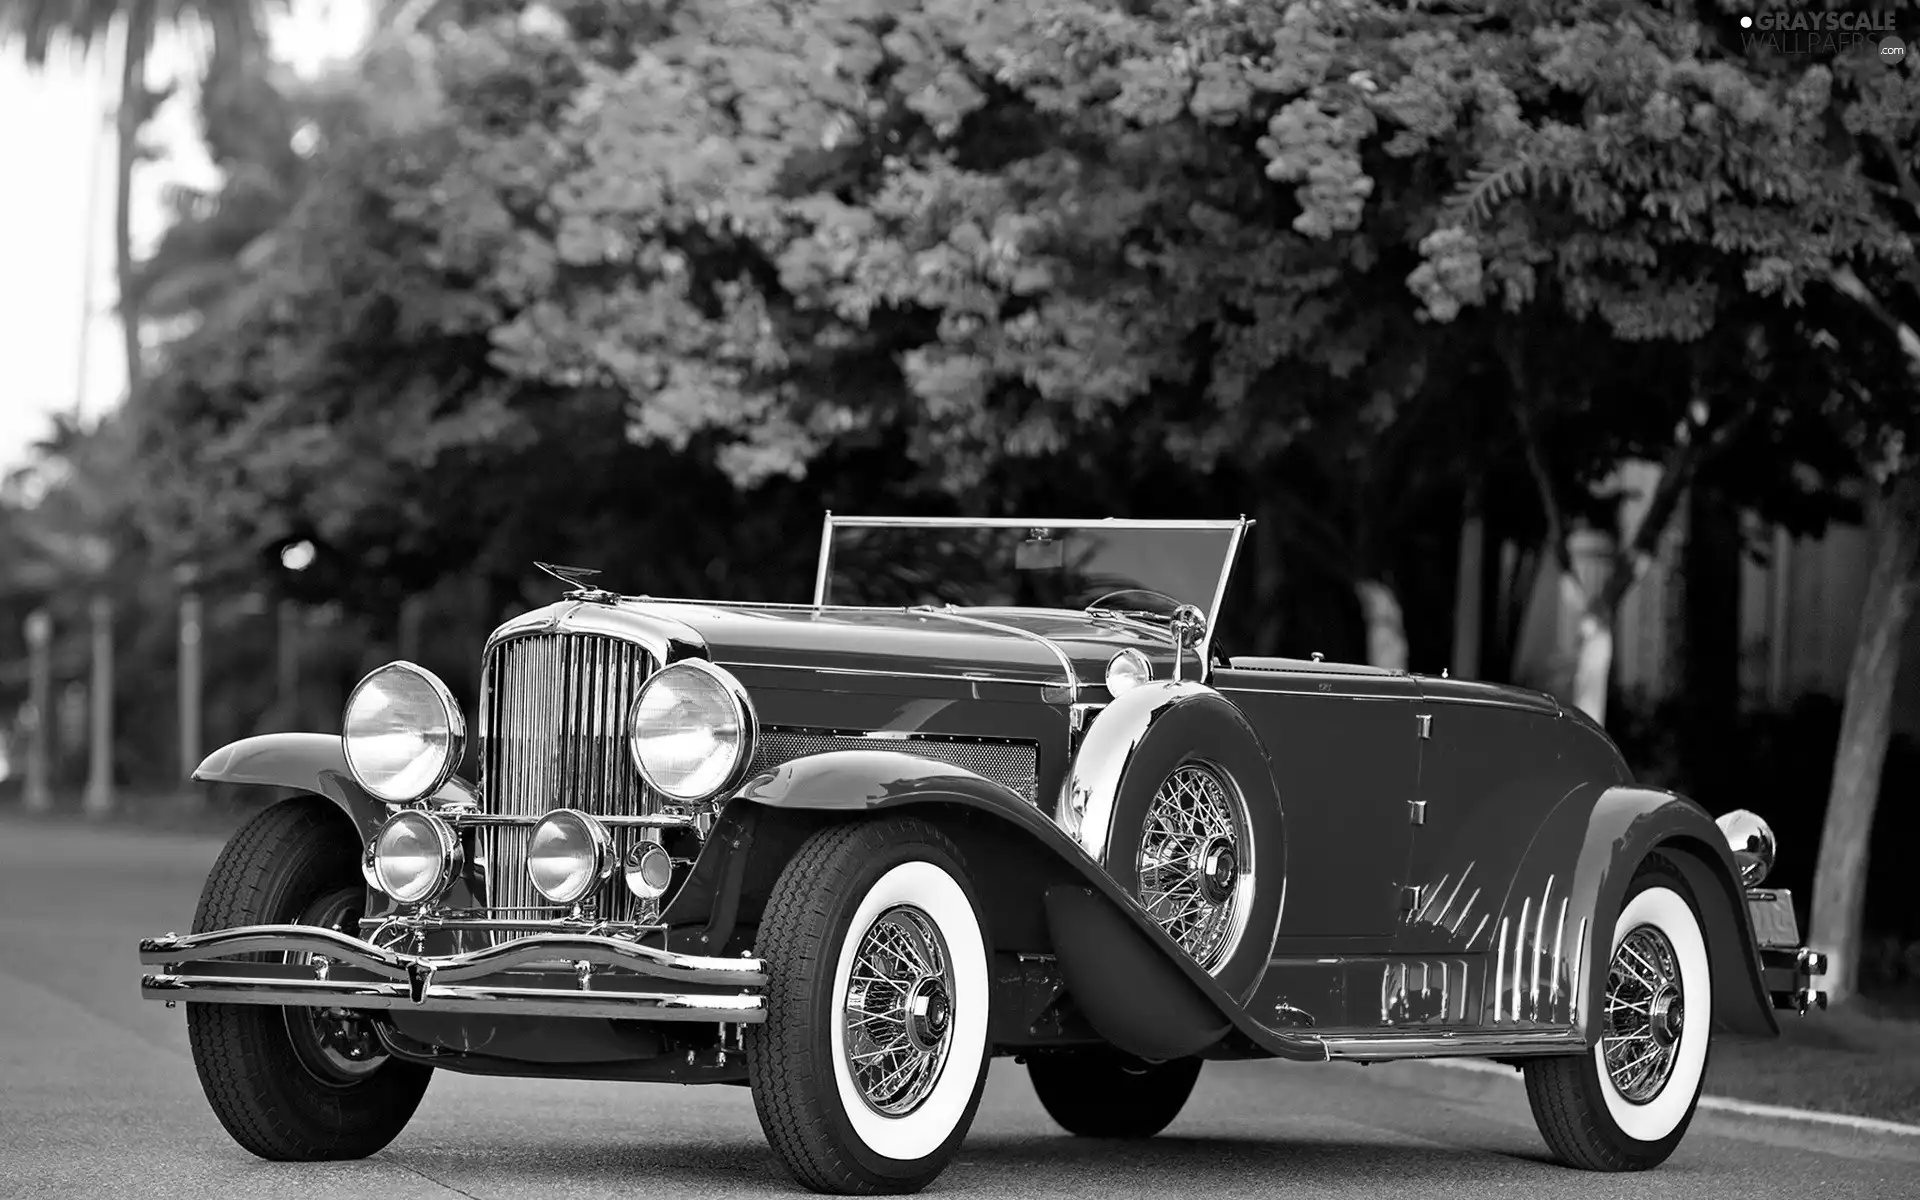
{"x":1866,"y":721}
{"x":131,"y":115}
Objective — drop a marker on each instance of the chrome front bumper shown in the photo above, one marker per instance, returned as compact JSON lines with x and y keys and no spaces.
{"x":545,"y":975}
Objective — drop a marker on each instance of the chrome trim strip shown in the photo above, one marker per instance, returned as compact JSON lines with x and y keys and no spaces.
{"x":1519,"y":963}
{"x":667,"y":639}
{"x":456,"y":998}
{"x":825,"y":563}
{"x":1499,"y":969}
{"x":345,"y":949}
{"x":1240,"y":528}
{"x":1428,"y":1043}
{"x":1031,"y":522}
{"x":810,"y":669}
{"x":382,"y":927}
{"x":1539,"y":944}
{"x":478,"y":820}
{"x":1394,"y":697}
{"x":1066,"y":662}
{"x":1573,"y":987}
{"x":1559,"y":940}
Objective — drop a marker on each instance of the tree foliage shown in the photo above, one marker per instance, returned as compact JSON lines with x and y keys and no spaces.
{"x":1289,"y":250}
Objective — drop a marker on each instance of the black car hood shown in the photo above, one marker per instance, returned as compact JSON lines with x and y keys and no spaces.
{"x":1024,"y":645}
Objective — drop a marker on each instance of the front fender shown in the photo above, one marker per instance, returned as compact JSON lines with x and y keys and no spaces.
{"x":309,"y":762}
{"x":1172,"y":988}
{"x":1606,"y":836}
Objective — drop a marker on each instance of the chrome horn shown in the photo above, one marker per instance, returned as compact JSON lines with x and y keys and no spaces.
{"x":1189,"y":630}
{"x":1753,"y":845}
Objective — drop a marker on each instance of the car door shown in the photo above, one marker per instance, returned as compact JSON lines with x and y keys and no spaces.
{"x":1494,"y":762}
{"x":1345,"y":748}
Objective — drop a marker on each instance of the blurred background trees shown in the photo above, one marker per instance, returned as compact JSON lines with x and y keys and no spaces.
{"x":1480,"y":311}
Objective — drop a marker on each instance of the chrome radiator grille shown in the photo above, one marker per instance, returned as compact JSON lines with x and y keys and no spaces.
{"x":1012,"y":765}
{"x":553,"y":734}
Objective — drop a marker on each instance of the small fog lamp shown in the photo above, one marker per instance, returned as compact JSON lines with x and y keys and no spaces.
{"x":413,"y":857}
{"x":649,"y":869}
{"x":569,"y":855}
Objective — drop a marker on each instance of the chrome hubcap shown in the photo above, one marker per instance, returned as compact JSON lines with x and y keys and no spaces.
{"x":1194,"y":873}
{"x":1645,"y":1015}
{"x":1217,"y":867}
{"x":335,"y":1045}
{"x":898,"y":1016}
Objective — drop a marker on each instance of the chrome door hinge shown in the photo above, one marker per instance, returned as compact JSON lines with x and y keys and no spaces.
{"x":1416,"y":812}
{"x":1426,"y":725}
{"x":1409,"y":901}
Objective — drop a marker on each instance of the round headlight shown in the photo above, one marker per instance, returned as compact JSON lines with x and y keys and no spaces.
{"x":568,"y":856}
{"x":403,"y":733}
{"x":413,"y":857}
{"x":1128,"y":670}
{"x":691,"y":731}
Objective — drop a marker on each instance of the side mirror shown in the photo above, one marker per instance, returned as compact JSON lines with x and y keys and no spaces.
{"x":1189,"y":630}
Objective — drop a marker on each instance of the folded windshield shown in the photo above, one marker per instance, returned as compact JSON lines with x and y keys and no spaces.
{"x":907,"y":561}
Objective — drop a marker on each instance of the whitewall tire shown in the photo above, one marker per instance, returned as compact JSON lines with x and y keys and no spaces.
{"x":870,"y":1066}
{"x":1625,"y":1105}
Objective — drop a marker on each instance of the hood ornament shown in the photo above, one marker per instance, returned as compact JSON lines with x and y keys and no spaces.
{"x":576,"y":578}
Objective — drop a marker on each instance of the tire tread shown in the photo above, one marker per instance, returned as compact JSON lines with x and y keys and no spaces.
{"x":789,"y":1092}
{"x":1567,"y":1112}
{"x":233,"y":1044}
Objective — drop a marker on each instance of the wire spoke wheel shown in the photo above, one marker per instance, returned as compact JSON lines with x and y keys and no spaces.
{"x":899,"y":1011}
{"x":1195,"y":862}
{"x":1644,"y":1016}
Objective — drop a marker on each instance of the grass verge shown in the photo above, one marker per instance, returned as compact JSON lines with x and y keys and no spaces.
{"x":1862,"y":1060}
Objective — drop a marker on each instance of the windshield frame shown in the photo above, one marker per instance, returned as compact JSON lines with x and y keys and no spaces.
{"x":1236,"y":529}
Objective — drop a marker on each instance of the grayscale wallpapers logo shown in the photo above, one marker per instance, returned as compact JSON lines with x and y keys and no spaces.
{"x":1824,"y":33}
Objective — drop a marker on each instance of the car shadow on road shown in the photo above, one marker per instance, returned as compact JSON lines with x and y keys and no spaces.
{"x":999,"y":1165}
{"x":1220,"y":1160}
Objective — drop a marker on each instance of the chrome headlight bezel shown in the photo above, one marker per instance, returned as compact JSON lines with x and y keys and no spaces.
{"x":449,"y":862}
{"x":598,"y":852}
{"x":744,"y":718}
{"x":455,"y":732}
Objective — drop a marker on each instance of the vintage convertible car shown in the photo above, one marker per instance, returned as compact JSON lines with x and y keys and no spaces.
{"x":999,"y":790}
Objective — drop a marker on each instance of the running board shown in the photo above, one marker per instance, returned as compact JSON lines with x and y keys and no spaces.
{"x":1475,"y":1042}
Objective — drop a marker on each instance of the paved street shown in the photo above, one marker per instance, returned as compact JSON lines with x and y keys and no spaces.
{"x":98,"y":1099}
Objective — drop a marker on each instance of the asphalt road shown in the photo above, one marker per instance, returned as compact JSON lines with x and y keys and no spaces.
{"x":98,"y":1099}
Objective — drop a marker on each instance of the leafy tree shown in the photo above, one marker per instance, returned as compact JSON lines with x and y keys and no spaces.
{"x":664,"y":267}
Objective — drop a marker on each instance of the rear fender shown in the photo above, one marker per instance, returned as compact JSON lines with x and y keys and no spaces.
{"x":1606,"y":834}
{"x":1044,"y":891}
{"x":309,"y":762}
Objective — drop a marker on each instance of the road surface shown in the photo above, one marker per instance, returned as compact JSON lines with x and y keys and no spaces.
{"x":98,"y":1099}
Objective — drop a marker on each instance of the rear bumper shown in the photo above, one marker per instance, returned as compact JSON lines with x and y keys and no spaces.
{"x":1788,"y":969}
{"x":545,"y":975}
{"x":1790,"y":976}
